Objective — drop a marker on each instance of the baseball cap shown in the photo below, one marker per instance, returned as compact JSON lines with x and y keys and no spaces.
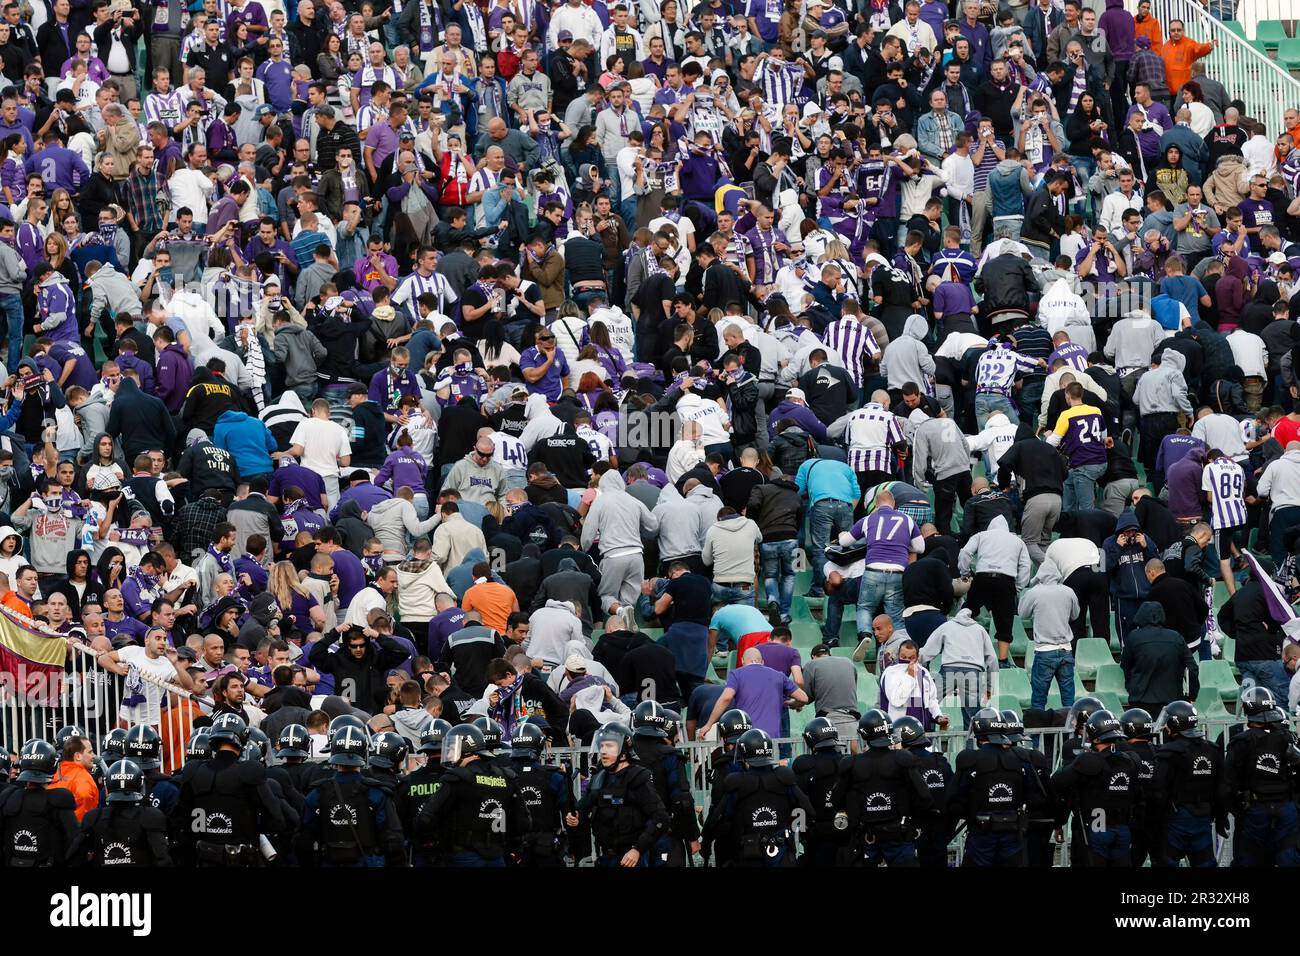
{"x":564,"y":35}
{"x":263,"y":110}
{"x":796,"y":394}
{"x":575,"y":664}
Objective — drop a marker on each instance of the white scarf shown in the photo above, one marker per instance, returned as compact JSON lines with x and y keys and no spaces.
{"x":255,"y":362}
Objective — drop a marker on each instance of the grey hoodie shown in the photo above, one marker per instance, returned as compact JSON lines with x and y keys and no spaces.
{"x":729,"y":549}
{"x":702,"y":499}
{"x":937,"y":443}
{"x":1281,"y":481}
{"x":298,"y":350}
{"x":996,"y":551}
{"x":907,"y":359}
{"x":617,"y":520}
{"x":482,"y":483}
{"x":94,"y":422}
{"x":962,"y":640}
{"x":395,"y":523}
{"x":1163,"y":389}
{"x":1048,"y":607}
{"x":541,"y":422}
{"x":681,"y":526}
{"x":111,"y":290}
{"x":13,"y":271}
{"x":1133,"y":339}
{"x":550,"y":630}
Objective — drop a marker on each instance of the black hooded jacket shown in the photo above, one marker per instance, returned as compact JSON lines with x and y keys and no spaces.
{"x":91,"y":592}
{"x":138,"y":421}
{"x":365,"y":675}
{"x":1155,"y":659}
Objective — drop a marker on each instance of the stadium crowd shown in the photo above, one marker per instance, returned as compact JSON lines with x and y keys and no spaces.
{"x":414,"y":385}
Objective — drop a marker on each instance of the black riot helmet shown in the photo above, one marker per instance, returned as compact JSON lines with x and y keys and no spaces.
{"x":258,"y":739}
{"x":528,"y":740}
{"x":1102,"y":727}
{"x":293,"y":741}
{"x":388,"y":750}
{"x":199,"y":746}
{"x":650,"y":719}
{"x":113,"y":746}
{"x":910,"y":732}
{"x":1083,"y":708}
{"x":66,"y":733}
{"x":987,"y":726}
{"x":1259,"y":706}
{"x":346,"y":720}
{"x":672,"y":723}
{"x":435,"y":732}
{"x":613,"y":738}
{"x":1015,"y":732}
{"x":144,"y":747}
{"x":228,"y":729}
{"x":463,"y":740}
{"x":349,"y":747}
{"x":1136,"y":723}
{"x":492,"y":735}
{"x":873,"y":728}
{"x":37,"y":762}
{"x":124,"y":782}
{"x":820,"y":734}
{"x":1181,"y":718}
{"x":755,"y":748}
{"x":6,"y":764}
{"x":732,"y":724}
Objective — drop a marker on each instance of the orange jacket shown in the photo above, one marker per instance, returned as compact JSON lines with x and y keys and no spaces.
{"x":1150,"y":28}
{"x":76,"y":778}
{"x":1179,"y":57}
{"x":14,"y":601}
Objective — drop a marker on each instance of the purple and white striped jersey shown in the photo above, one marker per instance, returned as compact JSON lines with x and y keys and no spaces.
{"x":872,"y":431}
{"x":1225,"y":482}
{"x":165,"y":108}
{"x":851,"y":338}
{"x":1075,"y":356}
{"x":891,"y":537}
{"x":780,"y":82}
{"x":997,"y":369}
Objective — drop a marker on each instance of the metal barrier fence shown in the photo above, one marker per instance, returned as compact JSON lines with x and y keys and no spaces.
{"x":1267,"y":89}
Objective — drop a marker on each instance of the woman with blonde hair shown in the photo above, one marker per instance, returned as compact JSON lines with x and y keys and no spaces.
{"x":56,"y":251}
{"x":302,"y":612}
{"x":60,"y":205}
{"x":838,"y":254}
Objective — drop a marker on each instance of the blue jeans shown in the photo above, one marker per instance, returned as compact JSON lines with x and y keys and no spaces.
{"x":12,"y":307}
{"x":733,"y":594}
{"x":986,"y":405}
{"x":846,"y":595}
{"x":778,"y":572}
{"x":826,"y":518}
{"x":1081,"y":487}
{"x":1270,"y":674}
{"x":1049,"y":664}
{"x":880,"y":589}
{"x":1280,"y":521}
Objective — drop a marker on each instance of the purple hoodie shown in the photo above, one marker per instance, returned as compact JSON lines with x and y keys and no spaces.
{"x":126,"y":360}
{"x":174,"y":373}
{"x":405,"y":468}
{"x":1117,"y":24}
{"x":54,"y":297}
{"x":802,"y":414}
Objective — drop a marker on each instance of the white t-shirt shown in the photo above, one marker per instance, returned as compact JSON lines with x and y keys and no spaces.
{"x":323,"y":444}
{"x":510,"y":452}
{"x":142,"y":701}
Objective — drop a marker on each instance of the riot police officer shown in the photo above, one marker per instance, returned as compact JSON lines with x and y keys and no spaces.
{"x":40,"y":825}
{"x":722,"y":760}
{"x":1100,"y":787}
{"x":418,"y":786}
{"x":347,"y":819}
{"x":387,"y":757}
{"x":292,"y":748}
{"x":66,"y":733}
{"x":546,"y":792}
{"x":761,"y":805}
{"x":143,"y":747}
{"x":651,"y":750}
{"x":476,"y":812}
{"x":494,"y":750}
{"x":127,"y":831}
{"x":622,"y":806}
{"x":1261,"y":769}
{"x":113,"y":746}
{"x":992,"y":783}
{"x":1075,"y":722}
{"x":935,"y":824}
{"x":816,"y":773}
{"x":882,"y":794}
{"x":1191,"y":792}
{"x":1040,"y":804}
{"x":1138,"y":728}
{"x":226,"y":804}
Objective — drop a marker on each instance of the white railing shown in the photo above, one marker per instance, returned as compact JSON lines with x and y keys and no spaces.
{"x":1267,"y":89}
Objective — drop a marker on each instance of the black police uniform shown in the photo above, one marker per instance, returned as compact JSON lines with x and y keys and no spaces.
{"x":1261,"y":769}
{"x":935,"y":824}
{"x":123,"y":835}
{"x":816,"y":774}
{"x":1147,"y":825}
{"x":883,"y":794}
{"x":722,"y":763}
{"x":1040,"y":806}
{"x":225,"y":804}
{"x":412,"y":790}
{"x":992,"y":788}
{"x":1101,"y":787}
{"x":160,"y":791}
{"x":40,"y":826}
{"x":476,"y":813}
{"x":664,"y":762}
{"x":625,"y":813}
{"x":1191,"y":792}
{"x":348,"y":821}
{"x":546,"y":793}
{"x":758,"y":806}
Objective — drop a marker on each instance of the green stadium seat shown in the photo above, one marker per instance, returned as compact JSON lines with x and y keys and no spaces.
{"x":1271,"y":33}
{"x":1014,"y":682}
{"x":1091,"y":653}
{"x":1019,"y":642}
{"x":868,"y":688}
{"x":1234,"y":26}
{"x":1110,"y":679}
{"x":1288,"y":54}
{"x":1261,"y":47}
{"x":954,"y":715}
{"x":806,"y":634}
{"x":1054,"y":692}
{"x":1218,"y":674}
{"x":842,"y":652}
{"x":1029,"y":659}
{"x":1209,"y":704}
{"x":1113,"y":701}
